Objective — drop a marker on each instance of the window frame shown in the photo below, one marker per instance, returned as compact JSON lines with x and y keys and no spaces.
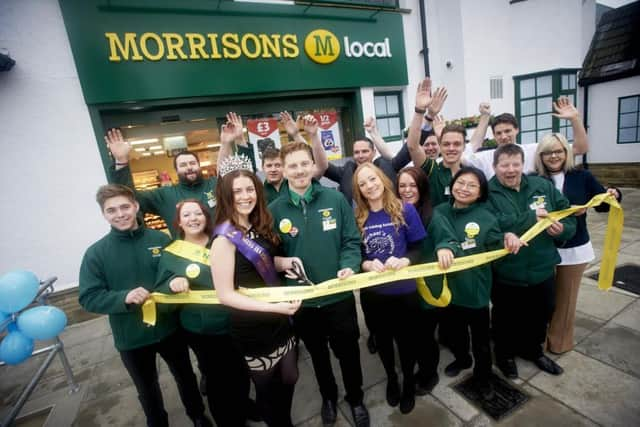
{"x":637,"y":126}
{"x":400,"y":114}
{"x":556,"y":91}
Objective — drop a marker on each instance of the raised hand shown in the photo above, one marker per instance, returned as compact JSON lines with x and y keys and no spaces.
{"x":290,"y":126}
{"x":118,"y":147}
{"x":438,"y":125}
{"x":232,"y":129}
{"x":484,"y":109}
{"x":310,"y":124}
{"x":370,"y":126}
{"x":437,"y":101}
{"x":564,"y":109}
{"x":423,"y":94}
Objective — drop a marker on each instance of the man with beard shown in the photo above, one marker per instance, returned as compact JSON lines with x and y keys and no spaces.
{"x":162,"y":201}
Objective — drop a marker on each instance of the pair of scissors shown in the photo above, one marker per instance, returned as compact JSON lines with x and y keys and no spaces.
{"x":300,"y":275}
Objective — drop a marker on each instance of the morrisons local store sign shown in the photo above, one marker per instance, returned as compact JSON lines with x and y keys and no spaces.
{"x":125,"y":53}
{"x":321,"y":46}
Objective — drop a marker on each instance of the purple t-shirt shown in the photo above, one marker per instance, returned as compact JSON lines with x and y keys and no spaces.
{"x":381,"y":240}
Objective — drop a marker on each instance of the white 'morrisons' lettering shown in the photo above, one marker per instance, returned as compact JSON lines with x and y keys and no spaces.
{"x":356,"y":49}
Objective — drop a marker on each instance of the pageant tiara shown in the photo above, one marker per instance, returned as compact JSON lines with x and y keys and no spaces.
{"x":235,"y":162}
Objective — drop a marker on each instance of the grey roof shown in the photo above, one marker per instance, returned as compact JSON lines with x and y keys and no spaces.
{"x":615,"y":48}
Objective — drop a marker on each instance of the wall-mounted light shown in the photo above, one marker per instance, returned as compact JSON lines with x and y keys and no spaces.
{"x":6,"y":62}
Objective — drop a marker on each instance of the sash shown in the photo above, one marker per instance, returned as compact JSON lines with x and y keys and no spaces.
{"x":256,"y":254}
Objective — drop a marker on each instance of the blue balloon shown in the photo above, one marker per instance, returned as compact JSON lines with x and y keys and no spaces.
{"x":17,"y":290}
{"x":15,"y":348}
{"x":42,"y":323}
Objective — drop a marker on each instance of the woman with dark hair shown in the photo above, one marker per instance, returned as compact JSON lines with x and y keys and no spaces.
{"x":554,"y":161}
{"x":412,"y":186}
{"x":464,"y":227}
{"x":244,"y":253}
{"x":392,"y":235}
{"x":206,"y":327}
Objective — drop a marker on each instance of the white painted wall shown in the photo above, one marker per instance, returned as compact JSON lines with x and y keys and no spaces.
{"x":495,"y":38}
{"x":50,"y":167}
{"x":603,"y":122}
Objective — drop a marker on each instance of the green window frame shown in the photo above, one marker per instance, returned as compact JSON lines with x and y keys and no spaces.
{"x":628,"y":120}
{"x":534,"y":97}
{"x":389,"y":114}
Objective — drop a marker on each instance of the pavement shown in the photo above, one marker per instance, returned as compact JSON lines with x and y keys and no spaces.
{"x":600,"y":385}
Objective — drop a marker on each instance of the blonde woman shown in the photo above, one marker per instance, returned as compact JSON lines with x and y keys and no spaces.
{"x":392,"y":234}
{"x":554,"y":161}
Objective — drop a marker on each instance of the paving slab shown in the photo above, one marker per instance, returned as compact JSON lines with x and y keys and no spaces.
{"x":306,"y":399}
{"x":428,"y":411}
{"x":601,"y":304}
{"x":446,"y":395}
{"x":615,"y":345}
{"x":596,"y":390}
{"x":585,"y":325}
{"x":119,"y":408}
{"x":630,"y":317}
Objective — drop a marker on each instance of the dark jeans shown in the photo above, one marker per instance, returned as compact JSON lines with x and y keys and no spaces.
{"x":460,"y":320}
{"x":428,"y":349}
{"x":227,"y":377}
{"x":141,"y":365}
{"x":393,"y":318}
{"x":520,"y":317}
{"x":334,"y":325}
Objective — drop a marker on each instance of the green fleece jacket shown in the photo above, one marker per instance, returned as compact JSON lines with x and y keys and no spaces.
{"x":162,"y":201}
{"x":465,"y":232}
{"x":270,"y":191}
{"x":439,"y":181}
{"x":322,"y":232}
{"x":516,"y":213}
{"x":197,"y":318}
{"x":114,"y":265}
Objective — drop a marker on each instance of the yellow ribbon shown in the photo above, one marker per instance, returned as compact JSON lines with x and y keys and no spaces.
{"x":364,"y":280}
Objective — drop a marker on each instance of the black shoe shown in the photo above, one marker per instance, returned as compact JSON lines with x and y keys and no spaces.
{"x":202,"y":421}
{"x":408,"y":399}
{"x":360,"y":415}
{"x":426,"y":387}
{"x":548,"y":365}
{"x":328,"y":413}
{"x":393,"y":392}
{"x":508,"y":367}
{"x":372,"y":346}
{"x":454,"y":368}
{"x":253,"y":412}
{"x":203,"y":385}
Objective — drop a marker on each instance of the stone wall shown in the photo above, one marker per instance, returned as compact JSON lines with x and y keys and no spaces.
{"x":617,"y":174}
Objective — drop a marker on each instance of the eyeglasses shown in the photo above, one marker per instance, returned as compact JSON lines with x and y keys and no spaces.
{"x":556,"y":153}
{"x":467,"y":185}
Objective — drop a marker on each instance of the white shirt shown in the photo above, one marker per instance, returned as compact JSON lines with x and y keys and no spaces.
{"x":483,"y":160}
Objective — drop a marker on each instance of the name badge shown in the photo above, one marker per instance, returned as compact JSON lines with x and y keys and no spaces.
{"x":447,"y":192}
{"x":329,"y":224}
{"x":468,"y":244}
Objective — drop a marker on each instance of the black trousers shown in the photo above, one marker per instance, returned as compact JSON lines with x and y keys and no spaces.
{"x":141,"y":365}
{"x":460,"y":321}
{"x":394,"y":318}
{"x":428,"y":349}
{"x":227,"y":377}
{"x":520,"y":317}
{"x":334,"y":325}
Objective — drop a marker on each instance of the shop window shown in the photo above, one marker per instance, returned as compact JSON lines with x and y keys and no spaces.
{"x":535,"y":94}
{"x":389,"y":117}
{"x":629,"y":119}
{"x":495,"y":87}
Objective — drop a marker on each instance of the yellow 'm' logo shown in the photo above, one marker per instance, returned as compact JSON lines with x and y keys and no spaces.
{"x":322,"y":46}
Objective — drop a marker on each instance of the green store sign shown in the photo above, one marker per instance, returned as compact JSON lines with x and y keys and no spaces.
{"x":137,"y":53}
